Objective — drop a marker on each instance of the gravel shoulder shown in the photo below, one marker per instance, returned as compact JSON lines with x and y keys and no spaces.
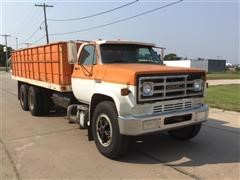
{"x":223,"y":82}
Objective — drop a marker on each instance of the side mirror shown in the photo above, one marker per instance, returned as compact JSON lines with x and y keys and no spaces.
{"x":72,"y":52}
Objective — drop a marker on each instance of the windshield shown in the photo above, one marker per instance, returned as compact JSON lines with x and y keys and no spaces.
{"x":127,"y":53}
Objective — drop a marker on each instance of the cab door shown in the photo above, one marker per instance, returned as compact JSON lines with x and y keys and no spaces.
{"x":84,"y":72}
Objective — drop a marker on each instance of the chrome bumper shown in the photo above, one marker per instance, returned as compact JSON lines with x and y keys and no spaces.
{"x":133,"y":125}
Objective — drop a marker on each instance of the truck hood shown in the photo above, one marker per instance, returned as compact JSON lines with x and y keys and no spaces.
{"x":126,"y":73}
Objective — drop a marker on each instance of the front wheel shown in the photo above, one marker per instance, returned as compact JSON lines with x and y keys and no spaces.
{"x":185,"y":133}
{"x":106,"y":132}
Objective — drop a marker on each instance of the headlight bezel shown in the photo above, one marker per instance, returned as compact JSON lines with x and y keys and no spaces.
{"x":198,"y":85}
{"x":148,"y":85}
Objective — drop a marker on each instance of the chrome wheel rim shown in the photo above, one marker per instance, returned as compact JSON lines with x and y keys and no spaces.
{"x":104,"y":130}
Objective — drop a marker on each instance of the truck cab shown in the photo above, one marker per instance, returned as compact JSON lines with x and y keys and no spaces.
{"x":131,"y":92}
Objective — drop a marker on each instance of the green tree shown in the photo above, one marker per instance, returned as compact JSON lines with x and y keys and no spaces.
{"x":3,"y":54}
{"x":171,"y":56}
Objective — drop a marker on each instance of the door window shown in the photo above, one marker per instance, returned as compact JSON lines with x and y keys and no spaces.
{"x":88,"y":55}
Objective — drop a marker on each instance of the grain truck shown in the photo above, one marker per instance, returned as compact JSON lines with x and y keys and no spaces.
{"x":115,"y":89}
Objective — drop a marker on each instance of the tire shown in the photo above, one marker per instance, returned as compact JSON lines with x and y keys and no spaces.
{"x":185,"y":133}
{"x":35,"y":101}
{"x":23,"y":97}
{"x":47,"y":102}
{"x":104,"y":124}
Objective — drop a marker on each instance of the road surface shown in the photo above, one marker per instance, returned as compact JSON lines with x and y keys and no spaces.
{"x":50,"y":148}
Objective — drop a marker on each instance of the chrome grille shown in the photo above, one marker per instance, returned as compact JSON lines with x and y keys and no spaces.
{"x":172,"y":107}
{"x":168,"y":87}
{"x":188,"y":105}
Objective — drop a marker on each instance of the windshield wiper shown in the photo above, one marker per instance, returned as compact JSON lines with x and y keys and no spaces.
{"x":118,"y":61}
{"x":148,"y":62}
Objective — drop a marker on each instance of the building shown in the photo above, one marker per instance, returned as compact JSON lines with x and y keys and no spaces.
{"x":209,"y":65}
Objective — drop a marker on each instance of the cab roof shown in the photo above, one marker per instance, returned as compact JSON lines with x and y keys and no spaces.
{"x":123,"y":42}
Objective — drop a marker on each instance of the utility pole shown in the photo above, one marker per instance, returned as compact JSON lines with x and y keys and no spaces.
{"x":16,"y":43}
{"x":28,"y":44}
{"x":5,"y":49}
{"x":45,"y":18}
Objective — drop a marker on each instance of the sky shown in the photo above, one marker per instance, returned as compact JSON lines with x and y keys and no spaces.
{"x":192,"y":28}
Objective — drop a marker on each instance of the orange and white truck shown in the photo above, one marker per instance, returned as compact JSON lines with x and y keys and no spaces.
{"x":115,"y":89}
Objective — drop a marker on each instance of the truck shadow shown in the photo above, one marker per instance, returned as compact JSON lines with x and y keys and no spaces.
{"x":56,"y":112}
{"x":216,"y":143}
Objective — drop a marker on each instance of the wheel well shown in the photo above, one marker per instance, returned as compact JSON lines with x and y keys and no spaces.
{"x":96,"y":99}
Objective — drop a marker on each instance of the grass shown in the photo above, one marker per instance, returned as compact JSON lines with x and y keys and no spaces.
{"x":223,"y":75}
{"x":225,"y":97}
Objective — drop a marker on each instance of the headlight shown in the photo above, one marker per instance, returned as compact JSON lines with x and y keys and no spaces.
{"x":198,"y":85}
{"x":147,"y":89}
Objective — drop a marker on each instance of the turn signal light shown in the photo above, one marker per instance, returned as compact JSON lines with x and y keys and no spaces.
{"x":125,"y":91}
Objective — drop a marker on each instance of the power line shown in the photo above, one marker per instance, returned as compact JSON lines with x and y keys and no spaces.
{"x":35,"y":42}
{"x":26,"y":23}
{"x":97,"y":14}
{"x":118,"y":21}
{"x":45,"y":18}
{"x":38,"y":28}
{"x":21,"y":25}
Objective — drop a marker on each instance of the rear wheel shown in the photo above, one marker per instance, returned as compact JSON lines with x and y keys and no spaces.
{"x":185,"y":133}
{"x":35,"y":101}
{"x":105,"y":130}
{"x":23,"y":97}
{"x":47,"y":101}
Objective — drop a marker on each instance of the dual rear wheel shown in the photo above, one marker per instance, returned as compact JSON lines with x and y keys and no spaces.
{"x":34,"y":99}
{"x":23,"y":97}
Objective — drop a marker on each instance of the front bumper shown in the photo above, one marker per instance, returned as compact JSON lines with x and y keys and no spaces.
{"x":131,"y":125}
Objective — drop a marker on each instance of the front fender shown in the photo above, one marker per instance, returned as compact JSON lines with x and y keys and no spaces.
{"x":124,"y":104}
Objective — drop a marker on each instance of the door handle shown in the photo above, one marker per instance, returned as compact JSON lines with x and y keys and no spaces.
{"x":76,"y":68}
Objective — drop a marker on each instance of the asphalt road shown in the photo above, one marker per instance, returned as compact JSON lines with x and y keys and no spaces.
{"x":50,"y":148}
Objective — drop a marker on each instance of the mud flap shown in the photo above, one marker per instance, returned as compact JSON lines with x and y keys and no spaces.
{"x":90,"y":134}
